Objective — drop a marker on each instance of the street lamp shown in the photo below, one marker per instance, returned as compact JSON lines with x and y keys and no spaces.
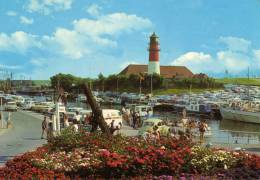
{"x":151,"y":84}
{"x":117,"y":85}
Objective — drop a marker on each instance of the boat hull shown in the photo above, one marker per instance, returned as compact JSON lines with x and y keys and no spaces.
{"x":251,"y":117}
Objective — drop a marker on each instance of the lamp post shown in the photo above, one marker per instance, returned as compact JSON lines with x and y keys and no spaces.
{"x":140,"y":86}
{"x":2,"y":118}
{"x":58,"y":117}
{"x":117,"y":84}
{"x":151,"y":84}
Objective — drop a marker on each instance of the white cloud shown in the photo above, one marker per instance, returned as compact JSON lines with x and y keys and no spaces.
{"x":47,"y":6}
{"x":37,"y":62}
{"x":25,"y":20}
{"x":199,"y":62}
{"x":94,"y":10}
{"x":11,"y":13}
{"x":236,"y":58}
{"x":18,"y":41}
{"x":257,"y":54}
{"x":196,"y":61}
{"x":234,"y":62}
{"x":55,"y":52}
{"x":87,"y":37}
{"x":112,"y":24}
{"x":70,"y":43}
{"x":256,"y":58}
{"x":94,"y":36}
{"x":236,"y":44}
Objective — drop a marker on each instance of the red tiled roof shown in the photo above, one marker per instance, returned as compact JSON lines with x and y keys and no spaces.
{"x":166,"y":71}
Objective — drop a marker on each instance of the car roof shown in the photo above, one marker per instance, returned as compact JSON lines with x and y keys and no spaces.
{"x":110,"y":110}
{"x":154,"y":120}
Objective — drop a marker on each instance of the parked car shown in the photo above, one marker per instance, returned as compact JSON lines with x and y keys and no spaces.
{"x":43,"y":107}
{"x":71,"y":116}
{"x":11,"y":106}
{"x":27,"y":105}
{"x":74,"y":109}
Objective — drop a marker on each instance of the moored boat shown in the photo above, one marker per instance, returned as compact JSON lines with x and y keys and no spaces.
{"x":240,"y":115}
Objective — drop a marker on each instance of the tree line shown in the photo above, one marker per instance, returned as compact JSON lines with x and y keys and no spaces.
{"x":129,"y":83}
{"x":199,"y":83}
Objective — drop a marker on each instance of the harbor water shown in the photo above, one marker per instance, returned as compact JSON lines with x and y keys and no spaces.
{"x":223,"y":131}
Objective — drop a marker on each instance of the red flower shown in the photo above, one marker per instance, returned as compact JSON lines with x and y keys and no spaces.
{"x":140,"y":161}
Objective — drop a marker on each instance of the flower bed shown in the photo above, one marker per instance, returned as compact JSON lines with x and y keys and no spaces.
{"x":97,"y":156}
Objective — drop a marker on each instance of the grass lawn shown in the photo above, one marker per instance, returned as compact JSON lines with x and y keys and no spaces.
{"x":242,"y":81}
{"x":181,"y":91}
{"x":42,"y":82}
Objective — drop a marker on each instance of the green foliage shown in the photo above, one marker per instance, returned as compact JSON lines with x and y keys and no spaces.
{"x":242,"y":81}
{"x":131,"y":83}
{"x":127,"y":83}
{"x":195,"y":83}
{"x":66,"y":141}
{"x":67,"y":81}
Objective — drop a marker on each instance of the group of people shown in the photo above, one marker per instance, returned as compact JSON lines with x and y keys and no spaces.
{"x":132,"y":117}
{"x":153,"y":135}
{"x":47,"y":125}
{"x":191,"y":124}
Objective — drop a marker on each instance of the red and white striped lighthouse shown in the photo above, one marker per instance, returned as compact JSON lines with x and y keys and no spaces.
{"x":154,"y":65}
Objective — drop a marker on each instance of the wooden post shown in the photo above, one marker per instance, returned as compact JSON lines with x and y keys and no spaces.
{"x":98,"y":119}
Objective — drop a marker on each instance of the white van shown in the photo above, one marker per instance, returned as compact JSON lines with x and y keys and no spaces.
{"x":113,"y":114}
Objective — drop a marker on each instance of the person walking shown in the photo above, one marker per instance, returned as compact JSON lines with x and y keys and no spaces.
{"x":202,"y":129}
{"x":44,"y":126}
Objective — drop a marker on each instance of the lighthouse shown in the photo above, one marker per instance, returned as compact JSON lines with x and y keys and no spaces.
{"x":154,"y":65}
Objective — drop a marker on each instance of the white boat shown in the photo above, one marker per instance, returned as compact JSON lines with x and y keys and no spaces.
{"x":240,"y":115}
{"x":198,"y":107}
{"x":141,"y":109}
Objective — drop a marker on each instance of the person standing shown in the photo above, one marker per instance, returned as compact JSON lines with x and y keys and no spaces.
{"x":156,"y":133}
{"x":134,"y":117}
{"x":75,"y":126}
{"x":8,"y":120}
{"x":184,"y":113}
{"x":112,"y":127}
{"x":66,"y":121}
{"x":44,"y":126}
{"x":202,"y":129}
{"x":138,"y":119}
{"x":78,"y":117}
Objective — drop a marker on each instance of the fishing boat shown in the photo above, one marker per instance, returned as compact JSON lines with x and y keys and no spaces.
{"x":240,"y":114}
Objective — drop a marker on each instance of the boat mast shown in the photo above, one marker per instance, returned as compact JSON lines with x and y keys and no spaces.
{"x":248,"y":92}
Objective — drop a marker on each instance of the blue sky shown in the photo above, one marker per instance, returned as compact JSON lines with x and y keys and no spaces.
{"x":39,"y":38}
